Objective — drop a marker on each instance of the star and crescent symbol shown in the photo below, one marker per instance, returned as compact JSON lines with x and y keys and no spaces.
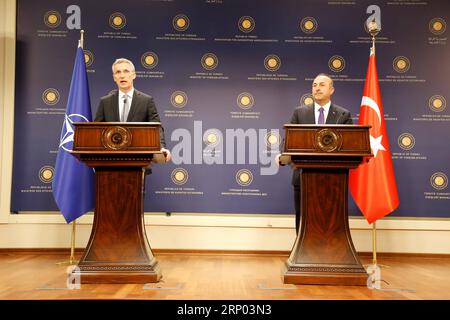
{"x":375,"y":142}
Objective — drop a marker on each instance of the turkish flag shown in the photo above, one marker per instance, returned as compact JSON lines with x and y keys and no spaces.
{"x":372,"y":184}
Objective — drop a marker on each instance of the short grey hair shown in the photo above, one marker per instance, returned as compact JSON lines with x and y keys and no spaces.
{"x":123,"y":60}
{"x":328,"y":76}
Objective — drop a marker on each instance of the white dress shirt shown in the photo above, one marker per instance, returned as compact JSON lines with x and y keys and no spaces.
{"x":122,"y":97}
{"x":326,"y":109}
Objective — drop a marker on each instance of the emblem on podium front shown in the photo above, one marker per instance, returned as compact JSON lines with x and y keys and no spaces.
{"x":327,"y":140}
{"x":116,"y":138}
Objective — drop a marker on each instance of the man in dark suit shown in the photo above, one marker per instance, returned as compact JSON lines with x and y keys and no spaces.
{"x":126,"y":104}
{"x":322,"y":111}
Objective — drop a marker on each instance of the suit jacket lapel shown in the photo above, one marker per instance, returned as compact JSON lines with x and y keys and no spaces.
{"x":115,"y":105}
{"x":134,"y":104}
{"x":332,"y":115}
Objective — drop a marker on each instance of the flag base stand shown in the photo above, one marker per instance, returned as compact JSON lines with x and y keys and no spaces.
{"x":374,"y":269}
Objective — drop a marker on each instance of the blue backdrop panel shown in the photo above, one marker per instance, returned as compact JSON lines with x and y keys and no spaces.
{"x":226,"y":75}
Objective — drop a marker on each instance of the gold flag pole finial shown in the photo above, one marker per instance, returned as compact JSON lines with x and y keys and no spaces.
{"x":373,"y":29}
{"x":81,"y":39}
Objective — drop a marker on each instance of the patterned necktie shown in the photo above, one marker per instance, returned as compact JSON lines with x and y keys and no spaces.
{"x":126,"y":109}
{"x":321,"y":116}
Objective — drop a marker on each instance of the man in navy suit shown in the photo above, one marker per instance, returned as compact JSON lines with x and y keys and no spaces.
{"x":126,"y":104}
{"x":322,"y":111}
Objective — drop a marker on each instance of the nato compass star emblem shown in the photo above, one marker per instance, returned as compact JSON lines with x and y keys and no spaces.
{"x":67,"y":132}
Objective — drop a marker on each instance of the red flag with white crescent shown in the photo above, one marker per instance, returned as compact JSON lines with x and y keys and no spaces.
{"x":372,"y":184}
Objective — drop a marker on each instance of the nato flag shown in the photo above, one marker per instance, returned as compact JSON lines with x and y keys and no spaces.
{"x":73,"y":182}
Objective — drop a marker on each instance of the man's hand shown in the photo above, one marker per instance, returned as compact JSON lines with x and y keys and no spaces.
{"x":281,"y":160}
{"x":277,"y":160}
{"x":167,"y":154}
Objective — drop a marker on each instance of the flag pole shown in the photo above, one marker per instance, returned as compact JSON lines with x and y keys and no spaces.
{"x":72,"y":260}
{"x":72,"y":241}
{"x":74,"y":222}
{"x":374,"y":243}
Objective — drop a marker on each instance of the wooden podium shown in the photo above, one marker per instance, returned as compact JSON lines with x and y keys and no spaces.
{"x":118,"y":250}
{"x":323,"y":252}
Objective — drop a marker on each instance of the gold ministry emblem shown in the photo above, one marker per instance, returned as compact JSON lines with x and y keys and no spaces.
{"x":211,"y":137}
{"x":401,"y":64}
{"x":52,"y":19}
{"x":406,"y":141}
{"x":46,"y":174}
{"x":178,"y":99}
{"x":88,"y":58}
{"x":179,"y":176}
{"x":306,"y":99}
{"x":246,"y":24}
{"x":245,"y":100}
{"x":308,"y":25}
{"x":149,"y":60}
{"x":437,"y":26}
{"x":336,"y":63}
{"x":272,"y":139}
{"x":50,"y":96}
{"x":117,"y":20}
{"x":209,"y":61}
{"x":437,"y":103}
{"x":272,"y":62}
{"x":180,"y":22}
{"x":439,"y":181}
{"x":244,"y":177}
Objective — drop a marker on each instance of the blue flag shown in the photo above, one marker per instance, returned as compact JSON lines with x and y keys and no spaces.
{"x":73,"y":182}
